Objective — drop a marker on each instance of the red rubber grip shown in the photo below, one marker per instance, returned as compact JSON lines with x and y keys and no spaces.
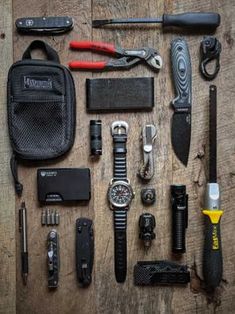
{"x":99,"y":65}
{"x":93,"y":45}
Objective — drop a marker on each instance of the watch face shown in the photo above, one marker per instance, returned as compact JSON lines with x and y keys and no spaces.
{"x":120,"y":194}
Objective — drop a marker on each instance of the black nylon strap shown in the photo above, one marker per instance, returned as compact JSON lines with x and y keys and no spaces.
{"x":14,"y":171}
{"x":52,"y":55}
{"x":120,"y":221}
{"x":119,"y":151}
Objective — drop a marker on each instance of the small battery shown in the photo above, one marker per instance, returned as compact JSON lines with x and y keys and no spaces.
{"x":95,"y":137}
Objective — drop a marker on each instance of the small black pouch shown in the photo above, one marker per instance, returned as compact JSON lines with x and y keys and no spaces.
{"x":41,"y":107}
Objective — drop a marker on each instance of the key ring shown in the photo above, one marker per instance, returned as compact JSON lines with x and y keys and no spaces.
{"x":210,"y":50}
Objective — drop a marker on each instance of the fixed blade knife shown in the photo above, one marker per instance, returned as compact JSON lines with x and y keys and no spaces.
{"x":181,"y":120}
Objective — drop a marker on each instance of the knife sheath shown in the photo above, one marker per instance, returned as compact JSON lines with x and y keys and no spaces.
{"x":118,"y":94}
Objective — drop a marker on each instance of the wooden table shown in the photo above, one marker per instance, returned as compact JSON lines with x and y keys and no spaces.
{"x":105,"y":295}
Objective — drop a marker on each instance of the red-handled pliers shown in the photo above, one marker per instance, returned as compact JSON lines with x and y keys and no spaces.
{"x":126,"y":57}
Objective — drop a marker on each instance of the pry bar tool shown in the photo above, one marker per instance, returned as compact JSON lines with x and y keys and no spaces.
{"x":24,"y":242}
{"x":212,"y":255}
{"x":206,"y":20}
{"x":53,"y":259}
{"x":126,"y":57}
{"x":148,"y":137}
{"x":50,"y":25}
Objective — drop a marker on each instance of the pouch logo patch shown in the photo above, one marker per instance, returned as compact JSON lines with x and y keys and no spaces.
{"x":37,"y":83}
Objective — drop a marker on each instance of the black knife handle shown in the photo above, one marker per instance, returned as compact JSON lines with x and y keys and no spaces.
{"x":212,"y":255}
{"x":192,"y":19}
{"x":182,"y":75}
{"x":84,"y":251}
{"x":49,"y":24}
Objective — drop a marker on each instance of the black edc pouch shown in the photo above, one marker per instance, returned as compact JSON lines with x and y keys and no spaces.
{"x":41,"y":106}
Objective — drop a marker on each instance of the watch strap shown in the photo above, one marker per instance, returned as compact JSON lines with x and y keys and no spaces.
{"x":119,"y":152}
{"x":120,"y":222}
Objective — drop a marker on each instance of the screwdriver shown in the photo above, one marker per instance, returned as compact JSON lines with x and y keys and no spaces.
{"x":212,"y":255}
{"x":208,"y":20}
{"x":24,"y":242}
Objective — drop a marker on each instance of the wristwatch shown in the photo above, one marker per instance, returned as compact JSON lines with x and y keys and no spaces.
{"x":120,"y":195}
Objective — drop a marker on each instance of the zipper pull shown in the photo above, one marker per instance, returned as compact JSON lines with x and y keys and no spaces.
{"x":14,"y":171}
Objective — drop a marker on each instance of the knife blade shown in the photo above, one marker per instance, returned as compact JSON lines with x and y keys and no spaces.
{"x":181,"y":120}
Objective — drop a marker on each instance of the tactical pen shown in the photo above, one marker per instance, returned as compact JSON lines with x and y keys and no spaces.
{"x":24,"y":242}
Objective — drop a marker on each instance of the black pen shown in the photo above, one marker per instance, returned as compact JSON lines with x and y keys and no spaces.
{"x":24,"y":242}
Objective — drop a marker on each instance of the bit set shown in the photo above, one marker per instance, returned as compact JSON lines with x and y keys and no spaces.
{"x":50,"y":217}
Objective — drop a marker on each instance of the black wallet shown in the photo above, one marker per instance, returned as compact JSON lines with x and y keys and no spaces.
{"x":118,"y":94}
{"x":56,"y":185}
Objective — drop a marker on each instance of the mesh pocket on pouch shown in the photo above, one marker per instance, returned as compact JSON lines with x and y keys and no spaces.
{"x":39,"y":127}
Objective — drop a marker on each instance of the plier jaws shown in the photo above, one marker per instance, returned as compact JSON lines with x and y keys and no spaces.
{"x":126,"y":58}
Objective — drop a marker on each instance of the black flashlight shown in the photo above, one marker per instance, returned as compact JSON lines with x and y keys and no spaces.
{"x":95,"y":137}
{"x":179,"y":203}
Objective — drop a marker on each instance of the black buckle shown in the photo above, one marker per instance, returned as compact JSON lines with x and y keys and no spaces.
{"x":210,"y":50}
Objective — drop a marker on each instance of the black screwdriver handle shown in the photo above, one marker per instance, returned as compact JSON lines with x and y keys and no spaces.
{"x":182,"y":75}
{"x":212,"y":255}
{"x":192,"y":19}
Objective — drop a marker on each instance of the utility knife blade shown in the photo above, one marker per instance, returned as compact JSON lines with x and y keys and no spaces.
{"x":84,"y":251}
{"x":181,"y":120}
{"x":44,"y":25}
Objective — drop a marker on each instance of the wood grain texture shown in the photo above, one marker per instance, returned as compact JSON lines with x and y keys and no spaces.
{"x":7,"y":199}
{"x":105,"y":295}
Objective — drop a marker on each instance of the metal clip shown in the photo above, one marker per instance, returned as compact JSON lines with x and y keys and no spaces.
{"x":210,"y":50}
{"x":149,"y":132}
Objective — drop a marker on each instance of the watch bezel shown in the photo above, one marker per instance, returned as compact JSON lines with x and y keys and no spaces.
{"x":111,"y":186}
